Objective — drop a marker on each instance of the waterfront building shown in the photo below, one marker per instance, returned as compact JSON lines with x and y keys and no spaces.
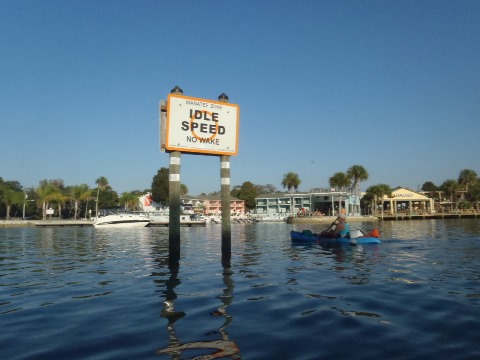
{"x":209,"y":205}
{"x":316,"y":202}
{"x":406,"y":201}
{"x":206,"y":205}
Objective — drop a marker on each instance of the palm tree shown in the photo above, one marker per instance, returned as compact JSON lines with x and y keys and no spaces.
{"x":87,"y":197}
{"x":377,"y":192}
{"x":291,"y":181}
{"x":47,"y":192}
{"x":466,"y":178}
{"x":450,"y":189}
{"x":339,"y":180}
{"x":60,"y":199}
{"x":357,"y":173}
{"x":78,"y":193}
{"x":102,"y":184}
{"x":474,"y":193}
{"x":129,"y":199}
{"x":183,"y":190}
{"x":12,"y":197}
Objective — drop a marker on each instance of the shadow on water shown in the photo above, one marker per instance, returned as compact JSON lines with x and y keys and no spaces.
{"x":219,"y":348}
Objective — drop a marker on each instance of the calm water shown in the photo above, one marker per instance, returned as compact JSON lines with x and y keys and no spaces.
{"x":85,"y":293}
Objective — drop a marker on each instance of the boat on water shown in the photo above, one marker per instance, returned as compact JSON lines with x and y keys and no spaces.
{"x":163,"y":219}
{"x":240,"y":217}
{"x":120,"y":219}
{"x":356,"y":237}
{"x":275,"y":217}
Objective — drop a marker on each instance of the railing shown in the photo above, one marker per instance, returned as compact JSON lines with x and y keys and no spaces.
{"x":428,"y":212}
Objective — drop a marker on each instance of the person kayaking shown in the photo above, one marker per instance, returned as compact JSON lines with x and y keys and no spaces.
{"x":341,"y":229}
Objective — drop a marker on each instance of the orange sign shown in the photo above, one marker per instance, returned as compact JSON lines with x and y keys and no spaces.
{"x":201,"y":126}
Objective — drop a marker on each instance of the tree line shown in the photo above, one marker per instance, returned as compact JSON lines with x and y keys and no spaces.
{"x":72,"y":202}
{"x":460,"y":193}
{"x":81,"y":201}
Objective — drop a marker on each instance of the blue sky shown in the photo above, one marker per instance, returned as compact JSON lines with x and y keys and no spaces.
{"x":393,"y":86}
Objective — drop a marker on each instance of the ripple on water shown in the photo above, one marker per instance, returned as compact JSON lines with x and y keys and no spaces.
{"x":82,"y":293}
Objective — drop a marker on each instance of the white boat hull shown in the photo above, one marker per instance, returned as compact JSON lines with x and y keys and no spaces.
{"x":121,"y":221}
{"x":122,"y":225}
{"x":185,"y":220}
{"x":270,"y":218}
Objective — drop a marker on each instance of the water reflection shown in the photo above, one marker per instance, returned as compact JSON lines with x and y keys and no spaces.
{"x":354,"y":264}
{"x":83,"y":293}
{"x":222,"y":347}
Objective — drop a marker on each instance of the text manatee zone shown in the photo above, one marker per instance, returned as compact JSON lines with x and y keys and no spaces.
{"x":201,"y":126}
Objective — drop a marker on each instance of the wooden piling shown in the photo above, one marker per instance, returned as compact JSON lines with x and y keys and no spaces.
{"x":225,"y":200}
{"x":174,"y":200}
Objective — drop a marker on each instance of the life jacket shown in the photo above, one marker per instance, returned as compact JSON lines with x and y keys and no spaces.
{"x":346,"y":230}
{"x":373,"y":233}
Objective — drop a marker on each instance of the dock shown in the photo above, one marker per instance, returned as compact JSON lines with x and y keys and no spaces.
{"x":290,"y":220}
{"x":182,"y":223}
{"x":45,"y":223}
{"x":326,"y":219}
{"x":81,"y":223}
{"x":399,"y":217}
{"x":385,"y":217}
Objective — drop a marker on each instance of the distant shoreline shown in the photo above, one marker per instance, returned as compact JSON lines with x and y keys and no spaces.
{"x":290,"y":220}
{"x":396,"y":217}
{"x":327,"y":219}
{"x":44,"y":223}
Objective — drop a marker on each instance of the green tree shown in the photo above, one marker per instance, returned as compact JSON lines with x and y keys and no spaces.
{"x":266,"y":189}
{"x":356,"y":174}
{"x":450,"y":188}
{"x":12,"y":197}
{"x":235,"y":191}
{"x":215,"y":193}
{"x":28,"y":206}
{"x":102,"y":184}
{"x":8,"y":185}
{"x":79,"y":193}
{"x":160,"y":186}
{"x":340,"y":181}
{"x":474,"y":194}
{"x":60,"y":199}
{"x":130,"y":200}
{"x":432,"y":189}
{"x":13,"y":185}
{"x":291,"y":181}
{"x":466,"y":178}
{"x":47,"y":192}
{"x":183,"y":190}
{"x":429,"y":186}
{"x":246,"y":192}
{"x":377,"y":193}
{"x":108,"y":198}
{"x":8,"y":196}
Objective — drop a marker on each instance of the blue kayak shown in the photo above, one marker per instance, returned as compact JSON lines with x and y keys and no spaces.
{"x":308,"y":237}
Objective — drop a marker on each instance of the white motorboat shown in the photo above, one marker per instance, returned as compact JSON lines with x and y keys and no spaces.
{"x":121,"y":219}
{"x":163,"y":219}
{"x":274,"y":217}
